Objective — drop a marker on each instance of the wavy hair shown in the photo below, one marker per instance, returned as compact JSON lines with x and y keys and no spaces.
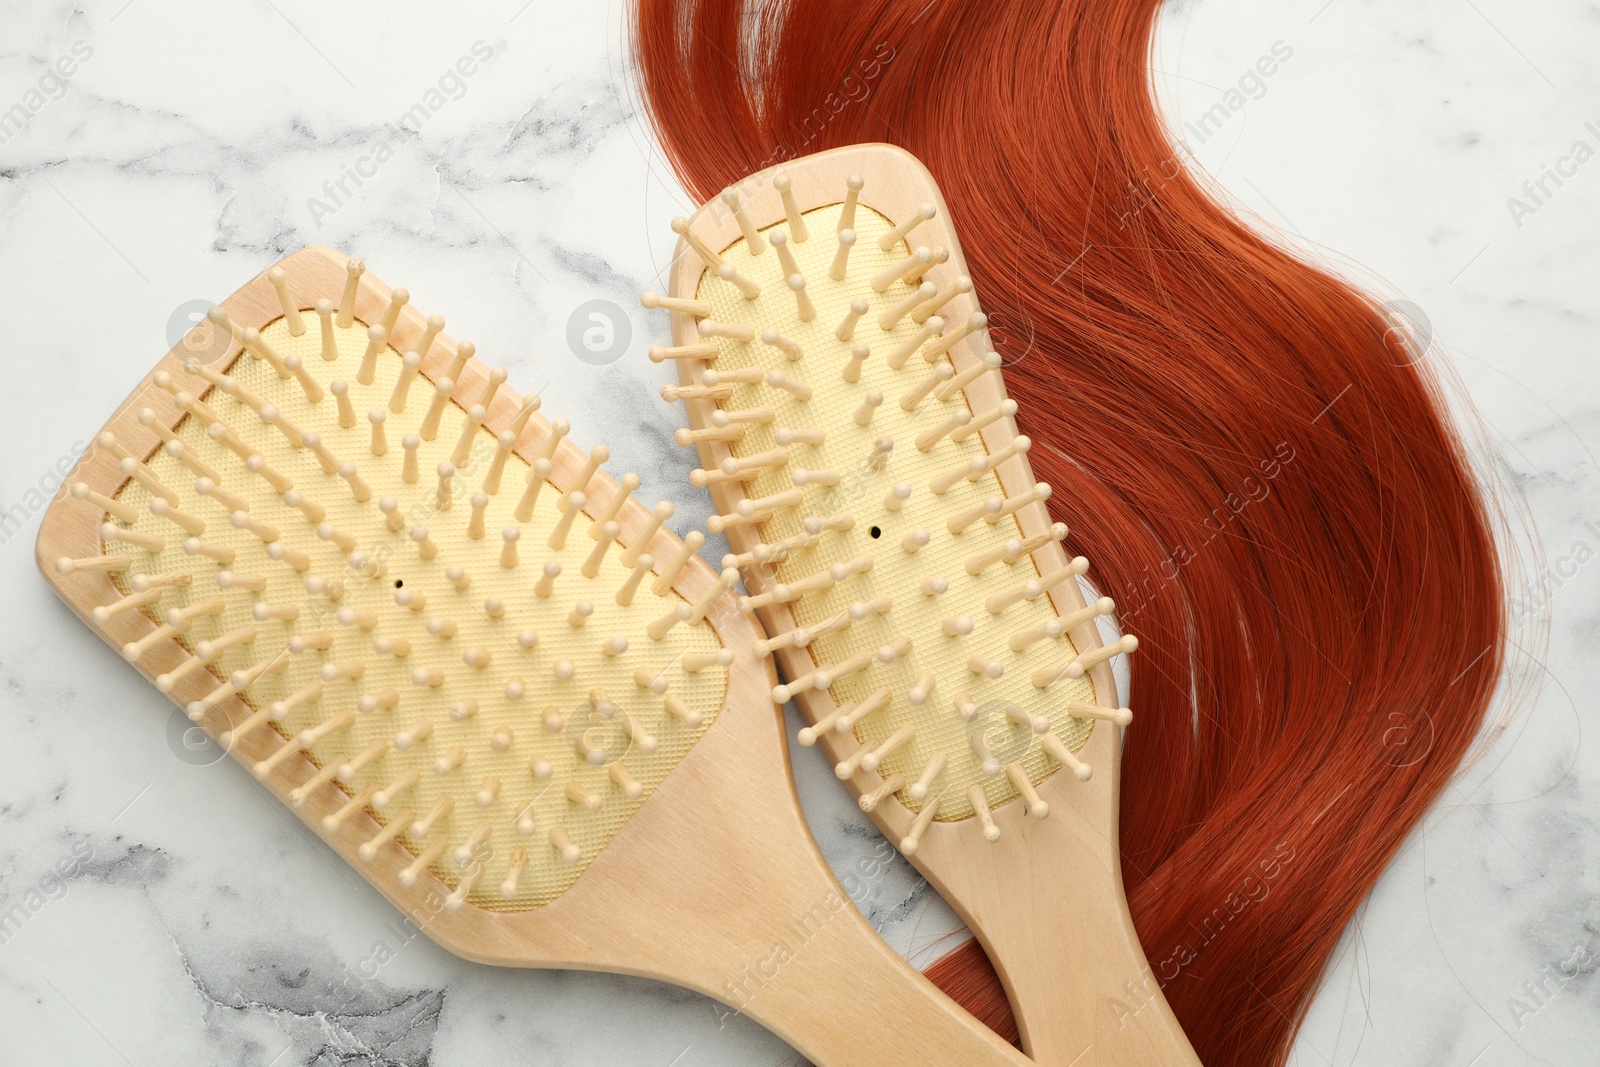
{"x":1246,"y":445}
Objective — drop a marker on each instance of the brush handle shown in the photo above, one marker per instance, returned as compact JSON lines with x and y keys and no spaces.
{"x":770,"y":932}
{"x":717,"y":885}
{"x":844,"y":997}
{"x":1051,"y":914}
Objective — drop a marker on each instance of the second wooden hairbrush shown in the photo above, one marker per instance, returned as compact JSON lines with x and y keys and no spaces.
{"x":854,"y":431}
{"x":470,"y":662}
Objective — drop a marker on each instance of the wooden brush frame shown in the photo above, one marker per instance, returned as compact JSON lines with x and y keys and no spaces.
{"x":1046,"y":900}
{"x":695,"y":889}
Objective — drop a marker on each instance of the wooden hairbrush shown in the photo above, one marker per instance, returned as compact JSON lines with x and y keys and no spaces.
{"x":467,"y":659}
{"x":853,"y":428}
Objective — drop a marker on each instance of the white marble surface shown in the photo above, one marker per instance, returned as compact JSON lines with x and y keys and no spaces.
{"x":199,"y":924}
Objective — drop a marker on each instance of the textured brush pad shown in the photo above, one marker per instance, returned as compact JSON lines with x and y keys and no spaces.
{"x":985,"y":713}
{"x":531,"y":755}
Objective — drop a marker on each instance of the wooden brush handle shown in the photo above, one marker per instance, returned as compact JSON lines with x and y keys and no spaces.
{"x":717,"y":885}
{"x":1106,"y":1002}
{"x":844,"y":997}
{"x":1051,"y":914}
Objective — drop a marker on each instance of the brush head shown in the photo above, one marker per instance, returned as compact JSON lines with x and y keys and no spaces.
{"x":853,"y":427}
{"x":459,"y":639}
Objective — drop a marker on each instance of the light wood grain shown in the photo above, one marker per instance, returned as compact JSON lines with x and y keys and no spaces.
{"x":715,"y":869}
{"x":1046,"y":900}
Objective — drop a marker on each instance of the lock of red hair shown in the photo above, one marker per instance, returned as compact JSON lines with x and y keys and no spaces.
{"x":1260,"y":460}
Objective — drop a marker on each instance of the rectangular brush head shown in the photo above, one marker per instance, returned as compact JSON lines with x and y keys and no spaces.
{"x":854,"y":430}
{"x":409,"y":604}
